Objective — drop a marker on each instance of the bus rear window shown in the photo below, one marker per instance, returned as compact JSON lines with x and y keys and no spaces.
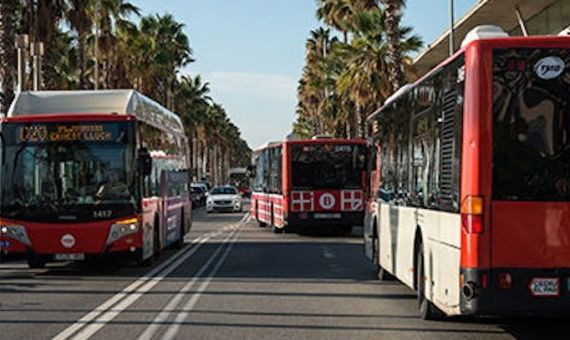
{"x":531,"y":110}
{"x":327,"y":166}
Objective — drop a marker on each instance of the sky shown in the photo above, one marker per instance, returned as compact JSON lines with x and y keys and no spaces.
{"x":251,"y":52}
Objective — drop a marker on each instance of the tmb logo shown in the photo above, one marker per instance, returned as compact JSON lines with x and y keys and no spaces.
{"x":549,"y":67}
{"x":68,"y":241}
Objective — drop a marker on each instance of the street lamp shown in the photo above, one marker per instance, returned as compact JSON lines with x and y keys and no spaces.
{"x":451,"y":28}
{"x":22,"y":43}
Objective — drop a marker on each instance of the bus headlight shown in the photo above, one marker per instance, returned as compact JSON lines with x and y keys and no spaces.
{"x":122,"y":228}
{"x":16,"y":232}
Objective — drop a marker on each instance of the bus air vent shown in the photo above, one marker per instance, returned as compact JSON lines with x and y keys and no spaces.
{"x":447,"y":148}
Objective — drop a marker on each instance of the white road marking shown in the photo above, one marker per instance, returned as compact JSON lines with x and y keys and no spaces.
{"x":182,"y":316}
{"x":175,"y":301}
{"x":132,"y":293}
{"x":89,"y":317}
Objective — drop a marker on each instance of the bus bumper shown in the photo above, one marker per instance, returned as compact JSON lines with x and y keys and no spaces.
{"x":312,"y":219}
{"x":87,"y":239}
{"x":513,"y":292}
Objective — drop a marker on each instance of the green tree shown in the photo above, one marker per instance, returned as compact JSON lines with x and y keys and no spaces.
{"x":80,"y":16}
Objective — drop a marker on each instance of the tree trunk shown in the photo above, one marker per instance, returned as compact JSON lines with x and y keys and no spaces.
{"x":81,"y":61}
{"x":392,"y":23}
{"x":7,"y":52}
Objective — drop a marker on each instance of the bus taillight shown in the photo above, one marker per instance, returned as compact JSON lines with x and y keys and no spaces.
{"x":472,"y":215}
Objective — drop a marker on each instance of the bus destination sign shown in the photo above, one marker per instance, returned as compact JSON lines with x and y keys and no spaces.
{"x":66,"y":133}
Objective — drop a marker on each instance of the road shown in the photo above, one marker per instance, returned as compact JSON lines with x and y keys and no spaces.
{"x":234,"y":280}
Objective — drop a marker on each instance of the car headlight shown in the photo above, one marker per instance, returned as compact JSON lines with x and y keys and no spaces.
{"x":16,"y":232}
{"x":122,"y":228}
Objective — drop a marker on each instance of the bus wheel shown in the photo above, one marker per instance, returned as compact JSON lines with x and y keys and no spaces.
{"x":428,"y":311}
{"x":277,"y":230}
{"x":261,"y":224}
{"x":381,"y":273}
{"x":180,"y":242}
{"x":36,"y":262}
{"x":156,"y":243}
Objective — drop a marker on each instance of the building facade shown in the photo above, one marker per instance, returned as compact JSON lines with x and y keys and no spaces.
{"x":537,"y":17}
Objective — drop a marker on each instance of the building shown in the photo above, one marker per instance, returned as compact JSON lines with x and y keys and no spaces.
{"x":537,"y":17}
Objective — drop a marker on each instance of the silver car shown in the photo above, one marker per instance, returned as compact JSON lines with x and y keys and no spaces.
{"x":224,"y":198}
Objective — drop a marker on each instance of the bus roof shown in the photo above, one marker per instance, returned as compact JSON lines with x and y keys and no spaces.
{"x":312,"y":141}
{"x":89,"y":102}
{"x":499,"y":41}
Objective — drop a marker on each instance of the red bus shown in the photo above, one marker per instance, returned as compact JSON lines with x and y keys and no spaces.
{"x":309,"y":183}
{"x":470,"y":198}
{"x":239,"y":178}
{"x":88,"y":173}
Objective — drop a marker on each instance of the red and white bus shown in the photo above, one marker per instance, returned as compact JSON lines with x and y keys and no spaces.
{"x":470,"y":198}
{"x":88,"y":173}
{"x":309,"y":183}
{"x":239,"y":178}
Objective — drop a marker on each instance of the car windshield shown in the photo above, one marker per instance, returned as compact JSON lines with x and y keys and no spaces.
{"x":327,"y":166}
{"x":55,"y":168}
{"x":224,"y":191}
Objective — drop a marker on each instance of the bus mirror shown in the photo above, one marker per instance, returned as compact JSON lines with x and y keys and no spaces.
{"x":146,"y":161}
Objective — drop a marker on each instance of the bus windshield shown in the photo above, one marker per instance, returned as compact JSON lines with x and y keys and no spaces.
{"x":531,"y":106}
{"x":327,"y":166}
{"x":67,"y":172}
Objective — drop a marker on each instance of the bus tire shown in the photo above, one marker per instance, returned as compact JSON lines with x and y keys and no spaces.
{"x":156,"y":242}
{"x":180,"y":242}
{"x":428,"y":311}
{"x":261,"y":224}
{"x":381,"y":273}
{"x":36,"y":262}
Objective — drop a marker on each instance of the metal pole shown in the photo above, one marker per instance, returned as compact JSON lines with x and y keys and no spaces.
{"x":37,"y":51}
{"x":452,"y":27}
{"x":21,"y":46}
{"x":521,"y":22}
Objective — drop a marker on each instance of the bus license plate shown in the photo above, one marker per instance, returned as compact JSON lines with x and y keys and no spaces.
{"x":327,"y":216}
{"x":69,"y":257}
{"x":545,"y":287}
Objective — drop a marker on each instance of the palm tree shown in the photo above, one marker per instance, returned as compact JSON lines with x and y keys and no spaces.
{"x":393,"y":10}
{"x":47,"y":16}
{"x":110,"y":15}
{"x":336,"y":14}
{"x":80,"y":16}
{"x":343,"y":82}
{"x":7,"y":53}
{"x":169,"y":50}
{"x":368,"y":61}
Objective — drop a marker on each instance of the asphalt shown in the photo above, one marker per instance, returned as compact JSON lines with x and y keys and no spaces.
{"x":235,"y":280}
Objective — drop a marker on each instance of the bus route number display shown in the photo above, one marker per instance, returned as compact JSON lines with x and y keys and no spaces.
{"x":65,"y":133}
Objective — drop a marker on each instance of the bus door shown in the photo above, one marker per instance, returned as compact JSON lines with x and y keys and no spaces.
{"x":174,"y":195}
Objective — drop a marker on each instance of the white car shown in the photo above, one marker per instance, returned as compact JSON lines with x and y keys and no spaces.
{"x":224,"y":198}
